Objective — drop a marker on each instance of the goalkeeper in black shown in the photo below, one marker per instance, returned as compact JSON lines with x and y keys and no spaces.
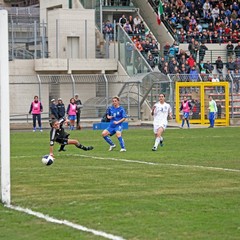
{"x":58,"y":134}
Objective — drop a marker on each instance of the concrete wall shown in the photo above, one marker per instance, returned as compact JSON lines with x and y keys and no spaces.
{"x":63,"y":24}
{"x":22,"y":67}
{"x":46,"y":6}
{"x":76,"y":65}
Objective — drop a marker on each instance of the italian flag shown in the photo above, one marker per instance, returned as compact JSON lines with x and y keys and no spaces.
{"x":160,"y":12}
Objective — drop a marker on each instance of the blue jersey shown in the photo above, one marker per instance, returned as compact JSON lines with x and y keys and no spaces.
{"x":117,"y":114}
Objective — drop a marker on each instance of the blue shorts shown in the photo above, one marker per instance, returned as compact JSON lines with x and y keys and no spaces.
{"x":186,"y":115}
{"x":72,"y":117}
{"x":113,"y":130}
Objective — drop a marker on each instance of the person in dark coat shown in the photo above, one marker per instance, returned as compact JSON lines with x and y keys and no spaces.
{"x":53,"y":109}
{"x":61,"y":108}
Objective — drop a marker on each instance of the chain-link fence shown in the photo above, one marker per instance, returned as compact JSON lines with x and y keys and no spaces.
{"x":137,"y":94}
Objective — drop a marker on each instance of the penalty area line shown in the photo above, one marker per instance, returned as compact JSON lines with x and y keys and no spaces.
{"x":64,"y":222}
{"x":160,"y":164}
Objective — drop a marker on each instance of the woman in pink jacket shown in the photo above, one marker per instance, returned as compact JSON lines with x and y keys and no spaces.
{"x":72,"y":113}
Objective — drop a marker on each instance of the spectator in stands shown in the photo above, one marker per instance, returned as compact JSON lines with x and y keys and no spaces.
{"x":191,"y":47}
{"x":154,"y":50}
{"x":172,"y":64}
{"x":165,"y":69}
{"x":202,"y":68}
{"x":237,"y":62}
{"x":202,"y":51}
{"x":146,"y":48}
{"x":230,"y":49}
{"x":182,"y":59}
{"x":191,"y":61}
{"x":212,"y":111}
{"x":209,"y":67}
{"x":131,"y":22}
{"x":180,"y":55}
{"x":206,"y":8}
{"x":172,"y":52}
{"x":181,"y":36}
{"x":199,"y":27}
{"x":128,"y":28}
{"x":122,"y":20}
{"x":161,"y":64}
{"x":187,"y":66}
{"x":193,"y":74}
{"x":219,"y":65}
{"x":138,"y":45}
{"x":208,"y":19}
{"x":36,"y":109}
{"x":196,"y":49}
{"x":183,"y":77}
{"x":166,"y":48}
{"x":150,"y":61}
{"x":129,"y":50}
{"x":136,"y":21}
{"x":215,"y":37}
{"x":237,"y":50}
{"x":231,"y":66}
{"x":215,"y":13}
{"x":142,"y":28}
{"x":173,"y":20}
{"x":108,"y":30}
{"x":215,"y":79}
{"x":176,"y":47}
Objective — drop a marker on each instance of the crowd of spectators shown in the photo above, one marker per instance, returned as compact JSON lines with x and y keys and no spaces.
{"x":188,"y":65}
{"x":183,"y":66}
{"x":206,"y":20}
{"x":142,"y":39}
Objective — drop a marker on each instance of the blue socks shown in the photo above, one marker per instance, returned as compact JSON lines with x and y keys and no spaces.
{"x":108,"y":140}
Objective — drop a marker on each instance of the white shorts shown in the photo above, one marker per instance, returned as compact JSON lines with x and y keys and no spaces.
{"x":157,"y":126}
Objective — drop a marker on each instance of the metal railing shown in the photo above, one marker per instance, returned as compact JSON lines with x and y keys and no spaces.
{"x":129,"y":56}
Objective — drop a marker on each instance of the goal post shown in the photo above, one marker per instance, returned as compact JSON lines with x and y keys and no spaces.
{"x":4,"y":111}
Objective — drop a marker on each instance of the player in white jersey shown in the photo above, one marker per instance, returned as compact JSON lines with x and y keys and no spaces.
{"x":160,"y":111}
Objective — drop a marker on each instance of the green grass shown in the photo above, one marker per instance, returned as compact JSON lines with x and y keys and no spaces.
{"x":173,"y":199}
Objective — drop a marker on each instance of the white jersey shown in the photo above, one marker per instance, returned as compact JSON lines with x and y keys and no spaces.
{"x":161,"y":113}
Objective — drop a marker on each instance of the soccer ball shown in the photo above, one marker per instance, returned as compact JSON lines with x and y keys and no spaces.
{"x":47,"y":160}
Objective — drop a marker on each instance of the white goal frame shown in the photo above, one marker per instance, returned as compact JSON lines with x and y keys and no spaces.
{"x":4,"y":110}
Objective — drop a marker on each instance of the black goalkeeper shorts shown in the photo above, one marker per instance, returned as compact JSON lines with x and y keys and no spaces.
{"x":63,"y":139}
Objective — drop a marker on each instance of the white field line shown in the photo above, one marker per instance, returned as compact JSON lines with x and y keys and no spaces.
{"x":158,"y":164}
{"x":65,"y":222}
{"x":147,"y":163}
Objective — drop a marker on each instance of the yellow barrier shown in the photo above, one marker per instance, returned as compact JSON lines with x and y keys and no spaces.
{"x":198,"y":93}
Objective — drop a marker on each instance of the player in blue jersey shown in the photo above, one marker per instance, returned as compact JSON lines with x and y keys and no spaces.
{"x":117,"y":116}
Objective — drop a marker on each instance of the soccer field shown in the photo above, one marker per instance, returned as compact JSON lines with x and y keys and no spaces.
{"x":187,"y":189}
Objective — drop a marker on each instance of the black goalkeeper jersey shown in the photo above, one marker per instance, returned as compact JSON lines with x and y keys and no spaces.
{"x":58,"y":135}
